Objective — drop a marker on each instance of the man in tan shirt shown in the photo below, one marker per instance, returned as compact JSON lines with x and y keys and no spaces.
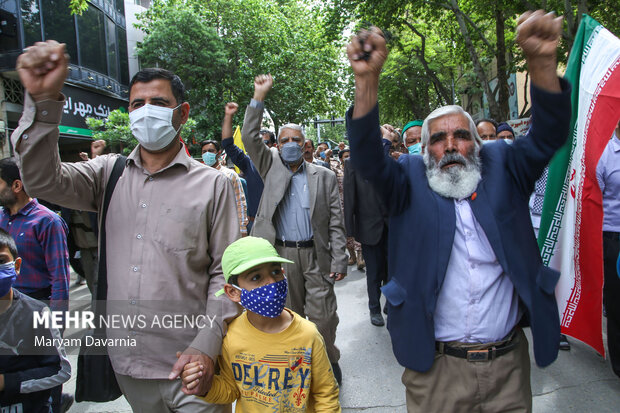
{"x":169,"y":220}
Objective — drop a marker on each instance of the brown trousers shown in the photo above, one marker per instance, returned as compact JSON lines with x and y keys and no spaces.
{"x":311,"y":294}
{"x":456,"y":385}
{"x":163,"y":396}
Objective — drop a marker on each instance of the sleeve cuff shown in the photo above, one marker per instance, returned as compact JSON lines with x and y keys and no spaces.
{"x":226,"y":142}
{"x":12,"y":384}
{"x":46,"y":111}
{"x":209,"y":342}
{"x":256,"y":104}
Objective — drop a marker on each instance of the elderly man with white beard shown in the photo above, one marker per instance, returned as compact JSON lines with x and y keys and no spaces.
{"x":466,"y":274}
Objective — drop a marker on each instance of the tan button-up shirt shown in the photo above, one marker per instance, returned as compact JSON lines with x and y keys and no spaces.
{"x":166,"y":233}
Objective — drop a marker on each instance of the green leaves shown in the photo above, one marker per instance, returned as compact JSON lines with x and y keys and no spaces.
{"x":217,"y":47}
{"x":78,"y":6}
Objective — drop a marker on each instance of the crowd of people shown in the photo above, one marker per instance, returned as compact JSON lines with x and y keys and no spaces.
{"x":437,"y":214}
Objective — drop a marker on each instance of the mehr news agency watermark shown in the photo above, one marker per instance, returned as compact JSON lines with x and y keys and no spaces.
{"x":89,"y":320}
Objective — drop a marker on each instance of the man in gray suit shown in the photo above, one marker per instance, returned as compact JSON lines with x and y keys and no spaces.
{"x":300,"y":213}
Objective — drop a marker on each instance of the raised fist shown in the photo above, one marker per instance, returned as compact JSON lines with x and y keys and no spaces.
{"x":367,"y":52}
{"x":230,"y":109}
{"x":43,"y":69}
{"x":262,"y":85}
{"x":538,"y":34}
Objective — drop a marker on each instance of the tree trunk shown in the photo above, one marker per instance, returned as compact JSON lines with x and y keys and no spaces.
{"x":478,"y":69}
{"x":502,"y":66}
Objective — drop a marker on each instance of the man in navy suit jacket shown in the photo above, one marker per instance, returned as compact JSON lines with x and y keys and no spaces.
{"x":464,"y":264}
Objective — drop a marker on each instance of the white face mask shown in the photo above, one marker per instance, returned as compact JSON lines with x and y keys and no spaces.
{"x":152,"y":126}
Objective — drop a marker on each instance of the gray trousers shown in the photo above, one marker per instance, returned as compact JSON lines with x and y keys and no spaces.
{"x":311,"y":294}
{"x":163,"y":396}
{"x":456,"y":385}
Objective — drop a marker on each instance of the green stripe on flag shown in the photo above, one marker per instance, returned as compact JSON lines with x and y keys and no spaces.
{"x":558,"y":177}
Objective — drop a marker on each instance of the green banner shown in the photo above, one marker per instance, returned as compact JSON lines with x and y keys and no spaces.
{"x":70,"y":130}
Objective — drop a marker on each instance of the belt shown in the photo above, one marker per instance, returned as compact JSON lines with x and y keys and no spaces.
{"x":295,"y":244}
{"x":474,"y":355}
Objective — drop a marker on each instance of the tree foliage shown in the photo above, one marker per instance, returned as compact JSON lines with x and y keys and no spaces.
{"x":465,"y":43}
{"x":232,"y":41}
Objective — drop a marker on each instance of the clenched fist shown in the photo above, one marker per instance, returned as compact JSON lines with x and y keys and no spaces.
{"x":43,"y":69}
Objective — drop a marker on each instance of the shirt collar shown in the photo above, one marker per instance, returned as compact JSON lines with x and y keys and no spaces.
{"x":615,"y":142}
{"x":26,"y":209}
{"x":181,"y":158}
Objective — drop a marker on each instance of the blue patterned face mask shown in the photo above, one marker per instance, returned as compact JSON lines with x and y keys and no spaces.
{"x":7,"y":277}
{"x":267,"y":300}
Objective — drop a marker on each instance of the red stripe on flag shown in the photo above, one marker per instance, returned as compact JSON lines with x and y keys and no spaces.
{"x":587,"y":293}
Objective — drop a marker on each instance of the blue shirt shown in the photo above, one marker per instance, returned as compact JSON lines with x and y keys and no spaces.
{"x":292,"y":218}
{"x":608,"y":176}
{"x":41,"y":239}
{"x":254,"y":181}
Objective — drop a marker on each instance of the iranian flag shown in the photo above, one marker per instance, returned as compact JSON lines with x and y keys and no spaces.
{"x":570,"y":236}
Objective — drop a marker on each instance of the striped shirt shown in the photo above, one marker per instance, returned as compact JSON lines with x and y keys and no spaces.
{"x":242,"y":208}
{"x":41,"y":238}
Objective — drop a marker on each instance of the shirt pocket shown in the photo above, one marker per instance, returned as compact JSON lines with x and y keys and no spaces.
{"x":178,"y":226}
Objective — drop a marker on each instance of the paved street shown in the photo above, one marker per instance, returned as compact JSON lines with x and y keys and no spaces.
{"x":579,"y":381}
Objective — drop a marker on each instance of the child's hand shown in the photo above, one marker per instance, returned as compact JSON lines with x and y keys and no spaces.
{"x":192,"y":372}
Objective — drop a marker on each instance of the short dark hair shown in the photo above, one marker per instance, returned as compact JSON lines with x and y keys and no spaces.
{"x":491,"y":121}
{"x":7,"y":241}
{"x":152,"y":73}
{"x":342,"y":152}
{"x":272,"y":136}
{"x":311,"y":142}
{"x":9,"y":172}
{"x":233,"y":279}
{"x":211,"y":142}
{"x":323,"y":143}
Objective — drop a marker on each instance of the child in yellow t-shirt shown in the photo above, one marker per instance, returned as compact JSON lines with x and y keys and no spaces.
{"x":272,"y":359}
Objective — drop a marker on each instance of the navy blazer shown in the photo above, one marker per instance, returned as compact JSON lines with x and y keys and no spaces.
{"x":423,"y":223}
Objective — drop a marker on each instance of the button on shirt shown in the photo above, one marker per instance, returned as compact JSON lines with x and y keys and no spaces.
{"x":477,"y":302}
{"x":608,"y":176}
{"x":292,"y":218}
{"x":166,"y":233}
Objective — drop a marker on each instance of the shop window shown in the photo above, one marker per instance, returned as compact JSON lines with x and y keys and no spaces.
{"x":91,"y":30}
{"x":121,"y":36}
{"x":59,"y":25}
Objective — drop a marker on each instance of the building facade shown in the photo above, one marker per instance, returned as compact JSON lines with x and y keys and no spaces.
{"x":98,"y":71}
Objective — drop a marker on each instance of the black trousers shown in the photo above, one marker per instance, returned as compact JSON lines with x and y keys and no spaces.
{"x":375,"y":257}
{"x":611,"y":296}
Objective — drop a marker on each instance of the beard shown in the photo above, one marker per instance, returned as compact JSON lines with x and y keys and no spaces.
{"x":7,"y":198}
{"x":458,"y":181}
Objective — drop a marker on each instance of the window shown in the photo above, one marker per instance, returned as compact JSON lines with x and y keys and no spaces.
{"x":121,"y":36}
{"x":92,"y":40}
{"x":9,"y":39}
{"x":120,"y":7}
{"x":31,"y":20}
{"x":59,"y":25}
{"x":111,"y":46}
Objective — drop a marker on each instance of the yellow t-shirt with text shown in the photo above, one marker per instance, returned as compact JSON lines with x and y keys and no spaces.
{"x":287,"y":372}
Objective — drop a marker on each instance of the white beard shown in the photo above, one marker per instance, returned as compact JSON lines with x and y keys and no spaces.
{"x":456,"y":182}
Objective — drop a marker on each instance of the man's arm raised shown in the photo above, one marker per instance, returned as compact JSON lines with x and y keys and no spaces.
{"x":538,"y":35}
{"x":43,"y":69}
{"x":367,"y":53}
{"x":250,"y":132}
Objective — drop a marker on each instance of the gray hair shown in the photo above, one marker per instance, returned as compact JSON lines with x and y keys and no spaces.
{"x":292,"y":126}
{"x":449,"y":110}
